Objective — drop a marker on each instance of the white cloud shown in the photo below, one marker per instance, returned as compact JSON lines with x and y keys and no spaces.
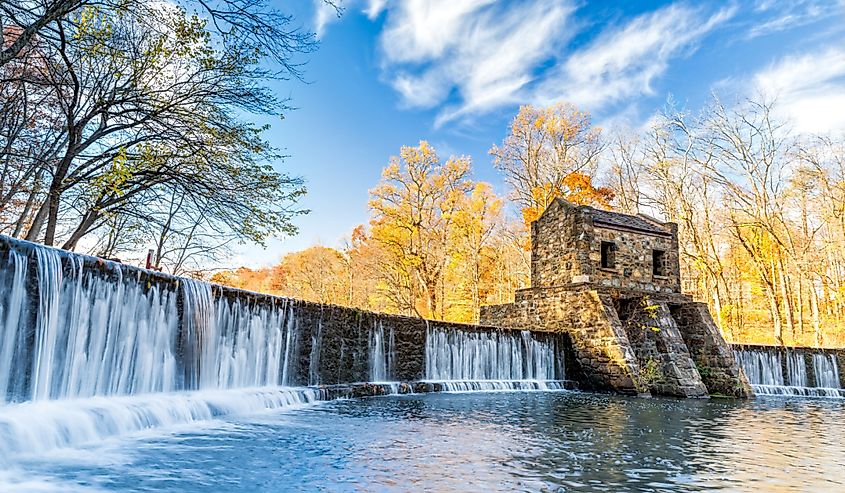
{"x":374,"y":8}
{"x":419,"y":30}
{"x":324,"y":14}
{"x":622,"y":64}
{"x":789,"y":15}
{"x":485,"y":53}
{"x":809,"y":88}
{"x":467,"y":58}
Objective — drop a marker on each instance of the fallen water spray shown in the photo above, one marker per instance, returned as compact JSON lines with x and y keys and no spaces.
{"x":826,"y":370}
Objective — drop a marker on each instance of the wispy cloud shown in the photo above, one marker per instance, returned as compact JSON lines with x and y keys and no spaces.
{"x":468,"y":58}
{"x":324,"y":14}
{"x":788,"y":15}
{"x":483,"y":54}
{"x":621,"y":64}
{"x":327,"y":12}
{"x":374,"y":8}
{"x":809,"y":88}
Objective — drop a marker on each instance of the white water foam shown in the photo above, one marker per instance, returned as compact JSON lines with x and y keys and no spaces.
{"x":497,"y":385}
{"x":39,"y":426}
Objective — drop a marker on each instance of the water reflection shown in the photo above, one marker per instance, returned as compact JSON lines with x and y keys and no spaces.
{"x":548,"y":441}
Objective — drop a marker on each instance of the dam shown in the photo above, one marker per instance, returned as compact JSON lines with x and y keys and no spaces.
{"x":79,"y":327}
{"x":96,"y":352}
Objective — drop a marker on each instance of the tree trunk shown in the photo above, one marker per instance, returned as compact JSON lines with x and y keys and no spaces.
{"x":37,"y":223}
{"x":81,"y":230}
{"x":785,"y":297}
{"x":30,"y":203}
{"x":814,"y":308}
{"x":53,"y":197}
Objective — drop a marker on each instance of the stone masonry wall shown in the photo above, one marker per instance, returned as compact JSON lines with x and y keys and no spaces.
{"x":689,"y":347}
{"x":633,"y":266}
{"x":665,"y":362}
{"x":331,"y":344}
{"x":338,"y":340}
{"x":560,"y":241}
{"x":713,"y":357}
{"x":605,"y":360}
{"x":566,"y":247}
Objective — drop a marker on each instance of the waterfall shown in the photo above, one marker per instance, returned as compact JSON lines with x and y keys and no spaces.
{"x":90,"y":333}
{"x":314,"y":356}
{"x":796,"y":370}
{"x":382,"y":353}
{"x":761,"y":367}
{"x":91,"y":349}
{"x":102,"y":333}
{"x":765,"y":372}
{"x":460,"y":357}
{"x":827,"y":373}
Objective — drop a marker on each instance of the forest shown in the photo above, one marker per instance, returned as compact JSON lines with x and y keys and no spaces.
{"x":760,"y":209}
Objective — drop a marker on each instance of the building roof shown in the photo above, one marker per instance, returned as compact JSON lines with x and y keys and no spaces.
{"x":638,"y":223}
{"x":616,"y":220}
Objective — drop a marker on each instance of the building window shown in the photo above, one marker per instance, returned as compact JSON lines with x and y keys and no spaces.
{"x":608,"y":255}
{"x":658,"y":263}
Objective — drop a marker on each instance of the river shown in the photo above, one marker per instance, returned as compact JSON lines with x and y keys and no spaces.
{"x":482,"y":441}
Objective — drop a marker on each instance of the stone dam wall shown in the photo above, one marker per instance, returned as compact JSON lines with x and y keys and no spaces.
{"x":74,"y":326}
{"x":630,"y":341}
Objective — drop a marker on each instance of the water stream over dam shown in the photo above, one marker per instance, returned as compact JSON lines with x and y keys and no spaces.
{"x":93,"y":352}
{"x":91,"y":349}
{"x":492,"y":361}
{"x":791,"y":372}
{"x":101,"y":359}
{"x":86,"y":354}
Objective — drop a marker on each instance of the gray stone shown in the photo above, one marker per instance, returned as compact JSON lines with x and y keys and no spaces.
{"x":647,"y":336}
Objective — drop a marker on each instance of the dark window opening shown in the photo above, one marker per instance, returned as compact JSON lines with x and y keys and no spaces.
{"x":608,"y":255}
{"x":658,"y":262}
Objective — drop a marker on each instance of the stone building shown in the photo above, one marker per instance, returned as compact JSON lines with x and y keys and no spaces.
{"x":612,"y":283}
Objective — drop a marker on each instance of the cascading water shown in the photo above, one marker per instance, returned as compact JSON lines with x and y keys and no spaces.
{"x":826,"y":370}
{"x":381,"y":353}
{"x":765,"y":372}
{"x":796,"y":370}
{"x":314,"y":356}
{"x":500,"y":360}
{"x":91,"y":334}
{"x":761,"y":367}
{"x":90,"y":349}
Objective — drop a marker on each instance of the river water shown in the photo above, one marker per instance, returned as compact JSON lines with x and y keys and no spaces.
{"x":493,"y":441}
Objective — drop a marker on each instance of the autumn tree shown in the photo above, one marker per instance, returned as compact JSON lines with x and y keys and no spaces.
{"x":759,"y":210}
{"x":316,"y":274}
{"x":477,"y":220}
{"x":145,"y":111}
{"x":414,"y":210}
{"x":551,"y":152}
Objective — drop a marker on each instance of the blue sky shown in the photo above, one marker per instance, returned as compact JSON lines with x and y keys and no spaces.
{"x":454,"y":72}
